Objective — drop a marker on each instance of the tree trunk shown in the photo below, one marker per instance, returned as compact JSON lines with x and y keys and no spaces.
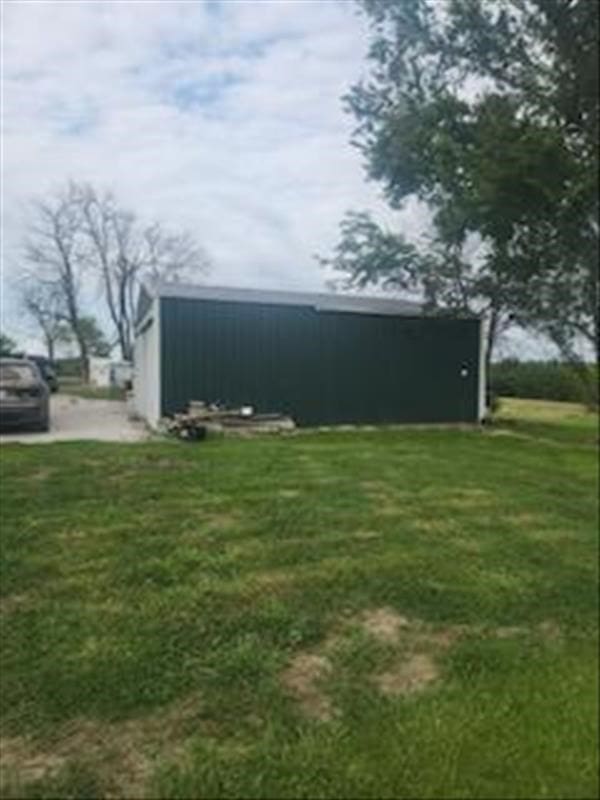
{"x":123,"y":342}
{"x":50,"y":347}
{"x":123,"y":320}
{"x":73,"y":318}
{"x":83,"y":358}
{"x":126,"y":352}
{"x":491,"y":341}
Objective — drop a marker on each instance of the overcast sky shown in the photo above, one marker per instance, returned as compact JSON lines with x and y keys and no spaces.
{"x":222,"y":117}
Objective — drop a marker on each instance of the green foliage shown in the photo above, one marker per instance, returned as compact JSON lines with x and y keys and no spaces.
{"x":97,"y":344}
{"x":546,"y":380}
{"x":92,"y":392}
{"x":367,"y":254}
{"x":92,"y":335}
{"x":8,"y":346}
{"x":138,"y":577}
{"x":487,"y":111}
{"x":68,"y":367}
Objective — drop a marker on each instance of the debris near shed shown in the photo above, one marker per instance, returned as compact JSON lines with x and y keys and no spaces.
{"x":203,"y":418}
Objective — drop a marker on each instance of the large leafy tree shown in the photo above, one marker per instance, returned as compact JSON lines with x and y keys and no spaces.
{"x":487,"y":112}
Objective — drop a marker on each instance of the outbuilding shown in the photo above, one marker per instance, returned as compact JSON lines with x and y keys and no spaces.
{"x":106,"y":373}
{"x":323,"y":359}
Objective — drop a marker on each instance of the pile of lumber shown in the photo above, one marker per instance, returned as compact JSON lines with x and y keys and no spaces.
{"x":203,"y":418}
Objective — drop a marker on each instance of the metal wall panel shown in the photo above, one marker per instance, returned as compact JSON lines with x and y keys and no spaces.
{"x":321,"y":367}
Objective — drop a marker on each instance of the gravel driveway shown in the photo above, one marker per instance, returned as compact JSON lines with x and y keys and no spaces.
{"x":78,"y":418}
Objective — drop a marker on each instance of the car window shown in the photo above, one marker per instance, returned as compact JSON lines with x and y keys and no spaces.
{"x":16,"y":373}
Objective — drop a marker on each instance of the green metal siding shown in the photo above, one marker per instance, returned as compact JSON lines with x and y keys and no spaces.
{"x":319,"y":367}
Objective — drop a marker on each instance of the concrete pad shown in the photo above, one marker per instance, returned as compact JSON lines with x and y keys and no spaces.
{"x":75,"y":418}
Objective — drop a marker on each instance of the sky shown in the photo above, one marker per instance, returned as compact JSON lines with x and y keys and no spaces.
{"x":223,"y":117}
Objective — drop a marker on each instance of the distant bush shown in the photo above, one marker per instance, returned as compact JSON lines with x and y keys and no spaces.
{"x":68,"y":367}
{"x":544,"y":380}
{"x":492,"y":401}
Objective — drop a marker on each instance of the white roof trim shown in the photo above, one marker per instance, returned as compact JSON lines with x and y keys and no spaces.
{"x":356,"y":304}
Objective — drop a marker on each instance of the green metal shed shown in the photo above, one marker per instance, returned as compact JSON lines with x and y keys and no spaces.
{"x":324,"y":359}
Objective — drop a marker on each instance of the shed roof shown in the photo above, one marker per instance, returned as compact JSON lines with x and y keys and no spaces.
{"x":356,"y":304}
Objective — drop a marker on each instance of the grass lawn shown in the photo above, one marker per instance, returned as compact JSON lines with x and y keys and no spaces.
{"x":91,"y":392}
{"x":545,"y":419}
{"x":395,"y":613}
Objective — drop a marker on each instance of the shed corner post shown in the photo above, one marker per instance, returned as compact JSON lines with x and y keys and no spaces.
{"x":482,"y":405}
{"x":158,"y":376}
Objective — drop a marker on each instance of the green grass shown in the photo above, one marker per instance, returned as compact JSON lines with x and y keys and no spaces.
{"x":561,"y":422}
{"x":154,"y":595}
{"x":91,"y":392}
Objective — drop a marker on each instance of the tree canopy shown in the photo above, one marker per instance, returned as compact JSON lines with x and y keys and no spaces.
{"x":8,"y":346}
{"x":487,"y":112}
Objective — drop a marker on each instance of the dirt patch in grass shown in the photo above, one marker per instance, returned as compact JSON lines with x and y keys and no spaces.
{"x":470,"y":499}
{"x":429,"y":525}
{"x":384,"y":624}
{"x":310,"y":461}
{"x":302,"y":680}
{"x":503,"y":432}
{"x":220,"y":522}
{"x":288,"y":494}
{"x":391,"y":628}
{"x":366,"y":535}
{"x":123,"y":754}
{"x":270,"y":582}
{"x":416,"y":643}
{"x":162,"y":463}
{"x":374,"y":487}
{"x":118,"y":753}
{"x":123,"y":475}
{"x":467,"y":545}
{"x":441,"y":638}
{"x":553,"y":535}
{"x":408,"y":676}
{"x":15,"y":602}
{"x":71,"y":534}
{"x":387,"y":507}
{"x":19,"y":757}
{"x":550,"y":631}
{"x":526,"y":520}
{"x":383,"y":497}
{"x":92,"y":463}
{"x":40,"y":475}
{"x":327,"y":480}
{"x":419,"y":646}
{"x":509,"y":631}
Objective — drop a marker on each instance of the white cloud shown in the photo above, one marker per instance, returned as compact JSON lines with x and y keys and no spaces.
{"x":223,"y":118}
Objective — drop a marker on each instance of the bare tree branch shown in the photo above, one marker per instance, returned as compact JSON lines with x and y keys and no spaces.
{"x":43,"y":303}
{"x":81,"y":231}
{"x":122,"y":254}
{"x":54,"y":253}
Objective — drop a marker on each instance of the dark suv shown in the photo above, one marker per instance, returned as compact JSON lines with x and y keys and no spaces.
{"x":23,"y":395}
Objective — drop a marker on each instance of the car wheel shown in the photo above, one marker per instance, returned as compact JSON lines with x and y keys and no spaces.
{"x":43,"y":426}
